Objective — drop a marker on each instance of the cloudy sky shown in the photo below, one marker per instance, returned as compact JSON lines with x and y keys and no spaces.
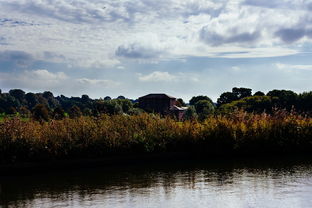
{"x":135,"y":47}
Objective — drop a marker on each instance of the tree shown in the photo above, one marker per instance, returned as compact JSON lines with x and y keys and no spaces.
{"x":195,"y":99}
{"x":40,"y":112}
{"x":18,"y":94}
{"x":226,"y":97}
{"x":47,"y":94}
{"x":125,"y":104}
{"x":107,"y":98}
{"x":180,"y":102}
{"x":85,"y":98}
{"x":190,"y":113}
{"x":204,"y":108}
{"x":286,"y":98}
{"x":305,"y":102}
{"x":236,"y":94}
{"x":58,"y":113}
{"x":121,"y":97}
{"x":75,"y":112}
{"x":241,"y":92}
{"x":32,"y":100}
{"x":259,"y":93}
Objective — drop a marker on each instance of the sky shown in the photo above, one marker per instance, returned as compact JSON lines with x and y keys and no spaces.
{"x":135,"y":47}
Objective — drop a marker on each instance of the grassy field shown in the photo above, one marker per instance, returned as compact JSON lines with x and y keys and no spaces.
{"x":89,"y":137}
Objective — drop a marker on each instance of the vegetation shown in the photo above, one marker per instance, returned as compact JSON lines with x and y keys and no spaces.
{"x":41,"y":127}
{"x":88,"y":137}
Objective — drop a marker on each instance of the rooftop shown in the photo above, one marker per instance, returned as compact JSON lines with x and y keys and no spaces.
{"x":157,"y":95}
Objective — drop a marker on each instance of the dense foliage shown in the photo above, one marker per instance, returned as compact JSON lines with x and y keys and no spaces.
{"x":88,"y":137}
{"x":44,"y":106}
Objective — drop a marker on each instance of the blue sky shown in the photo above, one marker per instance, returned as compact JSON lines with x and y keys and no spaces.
{"x":134,"y":47}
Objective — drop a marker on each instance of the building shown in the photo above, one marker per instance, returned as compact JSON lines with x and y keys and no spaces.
{"x":162,"y":104}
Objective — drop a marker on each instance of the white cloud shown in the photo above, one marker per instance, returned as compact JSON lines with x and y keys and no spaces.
{"x":105,"y":33}
{"x":162,"y":76}
{"x":293,"y":67}
{"x":98,"y":82}
{"x":157,"y":76}
{"x":42,"y":79}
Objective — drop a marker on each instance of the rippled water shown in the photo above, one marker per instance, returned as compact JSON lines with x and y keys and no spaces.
{"x":185,"y":184}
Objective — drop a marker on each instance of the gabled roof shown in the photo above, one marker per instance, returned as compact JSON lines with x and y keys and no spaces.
{"x":157,"y":95}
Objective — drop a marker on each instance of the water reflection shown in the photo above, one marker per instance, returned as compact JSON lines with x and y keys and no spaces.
{"x":186,"y":184}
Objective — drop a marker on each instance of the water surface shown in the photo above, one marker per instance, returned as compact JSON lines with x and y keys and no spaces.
{"x":182,"y":184}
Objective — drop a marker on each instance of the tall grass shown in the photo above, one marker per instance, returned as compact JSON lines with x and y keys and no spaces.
{"x":91,"y":137}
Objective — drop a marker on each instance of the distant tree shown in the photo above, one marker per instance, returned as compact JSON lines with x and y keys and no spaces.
{"x":40,"y":112}
{"x":259,"y":93}
{"x":241,"y":92}
{"x":180,"y":102}
{"x":304,"y":103}
{"x":31,"y":99}
{"x":120,"y":97}
{"x":255,"y":104}
{"x":47,"y":94}
{"x":195,"y":99}
{"x":18,"y":94}
{"x":236,"y":94}
{"x":190,"y":113}
{"x":125,"y":104}
{"x":286,"y":98}
{"x":75,"y":112}
{"x":58,"y":113}
{"x":204,"y":108}
{"x":226,"y":97}
{"x":85,"y":98}
{"x":107,"y":98}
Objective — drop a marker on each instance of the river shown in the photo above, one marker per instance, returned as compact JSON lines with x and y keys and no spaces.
{"x":212,"y":183}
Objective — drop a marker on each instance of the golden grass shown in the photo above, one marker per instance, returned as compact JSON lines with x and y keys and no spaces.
{"x":239,"y":133}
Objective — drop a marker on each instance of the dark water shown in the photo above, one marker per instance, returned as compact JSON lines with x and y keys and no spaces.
{"x":286,"y":183}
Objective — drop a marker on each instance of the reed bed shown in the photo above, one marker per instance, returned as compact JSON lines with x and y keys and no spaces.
{"x":97,"y":137}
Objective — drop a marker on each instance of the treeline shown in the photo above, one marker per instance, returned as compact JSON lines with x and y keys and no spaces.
{"x":45,"y":106}
{"x":259,"y":102}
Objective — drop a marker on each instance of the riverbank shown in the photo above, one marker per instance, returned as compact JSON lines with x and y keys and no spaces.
{"x":93,"y":138}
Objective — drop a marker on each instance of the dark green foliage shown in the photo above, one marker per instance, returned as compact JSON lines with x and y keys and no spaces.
{"x":259,"y":93}
{"x":40,"y":112}
{"x":304,"y":103}
{"x":31,"y":99}
{"x":180,"y":102}
{"x":121,"y":97}
{"x":236,"y":94}
{"x":286,"y":98}
{"x":256,"y":104}
{"x":204,"y":108}
{"x":190,"y":113}
{"x":107,"y":98}
{"x":18,"y":94}
{"x":195,"y":99}
{"x":241,"y":92}
{"x":125,"y":104}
